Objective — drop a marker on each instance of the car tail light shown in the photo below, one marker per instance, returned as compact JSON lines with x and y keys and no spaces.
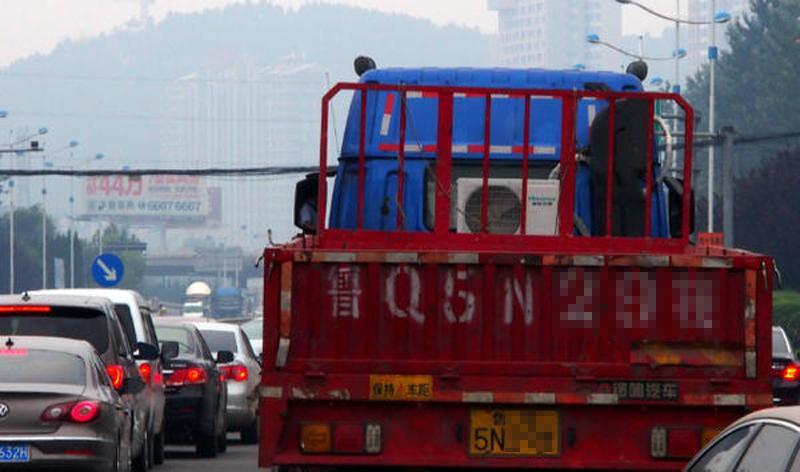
{"x":236,"y":372}
{"x":791,"y":372}
{"x":14,"y":352}
{"x":82,"y":411}
{"x":349,"y":438}
{"x":187,"y":376}
{"x":117,"y":374}
{"x":146,"y":371}
{"x":24,"y":309}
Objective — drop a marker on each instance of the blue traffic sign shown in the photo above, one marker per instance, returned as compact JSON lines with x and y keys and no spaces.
{"x":107,"y":270}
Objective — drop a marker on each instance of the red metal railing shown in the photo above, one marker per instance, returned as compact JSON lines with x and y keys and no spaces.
{"x":441,"y":235}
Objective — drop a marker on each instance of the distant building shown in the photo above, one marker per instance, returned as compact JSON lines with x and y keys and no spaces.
{"x":552,"y":33}
{"x":698,"y":38}
{"x":247,"y":115}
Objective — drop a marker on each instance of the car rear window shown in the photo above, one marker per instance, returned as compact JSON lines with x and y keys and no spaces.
{"x":219,"y":340}
{"x":62,"y":322}
{"x":779,"y":344}
{"x":254,"y":328}
{"x":178,"y":334}
{"x":124,"y":315}
{"x":38,"y":366}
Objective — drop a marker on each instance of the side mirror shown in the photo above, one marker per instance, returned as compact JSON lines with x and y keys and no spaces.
{"x":132,"y":385}
{"x":305,"y":203}
{"x":146,"y":352}
{"x":169,"y":350}
{"x":224,"y":357}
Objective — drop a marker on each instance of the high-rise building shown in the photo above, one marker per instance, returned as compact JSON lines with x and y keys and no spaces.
{"x":699,"y":36}
{"x":247,"y":115}
{"x":552,"y":33}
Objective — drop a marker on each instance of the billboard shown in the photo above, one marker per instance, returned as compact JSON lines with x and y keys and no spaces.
{"x":166,"y":199}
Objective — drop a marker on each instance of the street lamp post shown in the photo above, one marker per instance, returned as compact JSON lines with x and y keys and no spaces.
{"x":716,"y":17}
{"x":677,"y":54}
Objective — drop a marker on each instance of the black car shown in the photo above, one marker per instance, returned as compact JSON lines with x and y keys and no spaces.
{"x":93,"y":320}
{"x":195,"y":391}
{"x":785,"y":370}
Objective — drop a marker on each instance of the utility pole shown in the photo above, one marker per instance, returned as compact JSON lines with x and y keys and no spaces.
{"x":728,"y":164}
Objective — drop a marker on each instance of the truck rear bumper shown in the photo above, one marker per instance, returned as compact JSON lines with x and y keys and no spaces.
{"x":612,"y":437}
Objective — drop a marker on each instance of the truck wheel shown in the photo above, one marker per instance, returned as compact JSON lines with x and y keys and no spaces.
{"x":250,"y":433}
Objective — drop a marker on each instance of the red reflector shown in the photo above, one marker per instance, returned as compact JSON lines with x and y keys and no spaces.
{"x":146,"y":371}
{"x":116,"y":374}
{"x":13,"y":352}
{"x":348,"y":438}
{"x":84,"y":412}
{"x":790,"y":372}
{"x":78,"y":452}
{"x":24,"y":309}
{"x":682,"y":443}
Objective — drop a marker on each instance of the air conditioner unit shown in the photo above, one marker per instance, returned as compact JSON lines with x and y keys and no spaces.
{"x":505,"y":206}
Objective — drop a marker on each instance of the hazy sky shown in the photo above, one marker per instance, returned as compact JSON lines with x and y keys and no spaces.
{"x":36,"y":26}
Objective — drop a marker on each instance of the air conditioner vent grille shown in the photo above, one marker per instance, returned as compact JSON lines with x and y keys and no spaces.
{"x":504,"y":210}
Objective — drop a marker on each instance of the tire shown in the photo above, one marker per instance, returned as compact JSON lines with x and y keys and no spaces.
{"x":140,"y":460}
{"x":151,"y":450}
{"x":158,"y":447}
{"x":222,"y":439}
{"x":250,"y":433}
{"x":206,"y":445}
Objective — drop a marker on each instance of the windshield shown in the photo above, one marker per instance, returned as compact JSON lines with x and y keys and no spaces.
{"x":219,"y":340}
{"x":193,"y":309}
{"x":780,"y":346}
{"x":253,"y":328}
{"x":62,"y":322}
{"x":178,"y":334}
{"x":37,"y":366}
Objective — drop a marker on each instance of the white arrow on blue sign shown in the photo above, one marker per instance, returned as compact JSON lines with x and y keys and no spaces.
{"x":107,"y":270}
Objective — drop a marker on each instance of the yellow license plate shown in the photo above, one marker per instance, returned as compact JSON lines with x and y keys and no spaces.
{"x":514,"y":433}
{"x":401,"y":387}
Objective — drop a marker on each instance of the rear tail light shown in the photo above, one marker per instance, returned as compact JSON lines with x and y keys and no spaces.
{"x":146,"y":372}
{"x":675,"y":443}
{"x":235,"y":372}
{"x":350,"y":438}
{"x":187,"y":376}
{"x":117,"y":374}
{"x":82,"y":411}
{"x":791,"y":372}
{"x":24,"y":309}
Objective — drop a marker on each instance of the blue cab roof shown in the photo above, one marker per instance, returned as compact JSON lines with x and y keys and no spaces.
{"x":383,"y":111}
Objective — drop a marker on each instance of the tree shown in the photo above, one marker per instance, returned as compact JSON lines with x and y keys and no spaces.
{"x":756,"y":80}
{"x":133,"y":260}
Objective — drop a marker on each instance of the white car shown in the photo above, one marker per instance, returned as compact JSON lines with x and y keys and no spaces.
{"x":243,"y":376}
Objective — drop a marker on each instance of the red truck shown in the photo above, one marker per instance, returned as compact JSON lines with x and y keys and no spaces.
{"x":523,"y":307}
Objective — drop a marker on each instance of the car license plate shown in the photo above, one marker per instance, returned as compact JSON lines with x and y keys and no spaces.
{"x":504,"y":432}
{"x":15,"y":453}
{"x":401,"y":387}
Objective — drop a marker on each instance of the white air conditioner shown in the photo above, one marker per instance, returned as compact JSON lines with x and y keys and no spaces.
{"x":505,"y":206}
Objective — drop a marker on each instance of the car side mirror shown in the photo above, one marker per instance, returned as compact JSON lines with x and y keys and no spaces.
{"x":169,"y":350}
{"x":146,"y":352}
{"x":224,"y":357}
{"x":133,"y":385}
{"x":305,"y":203}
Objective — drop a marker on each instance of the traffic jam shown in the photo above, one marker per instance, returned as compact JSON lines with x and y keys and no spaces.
{"x":92,"y":379}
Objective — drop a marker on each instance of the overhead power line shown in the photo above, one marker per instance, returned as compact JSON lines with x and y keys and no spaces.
{"x":235,"y":171}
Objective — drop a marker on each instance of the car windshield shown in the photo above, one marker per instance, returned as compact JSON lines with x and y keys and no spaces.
{"x":62,"y":322}
{"x":38,"y":366}
{"x":254,"y":328}
{"x":779,"y":345}
{"x":191,"y":309}
{"x":178,"y":334}
{"x":219,"y":340}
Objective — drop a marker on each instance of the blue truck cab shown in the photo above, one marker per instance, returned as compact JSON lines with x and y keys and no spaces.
{"x":382,"y":137}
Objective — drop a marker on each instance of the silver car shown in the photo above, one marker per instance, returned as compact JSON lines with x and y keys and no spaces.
{"x":58,"y":407}
{"x":243,"y":376}
{"x":254,"y":329}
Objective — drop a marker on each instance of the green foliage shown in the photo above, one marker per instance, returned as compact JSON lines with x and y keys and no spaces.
{"x":133,"y":260}
{"x":786,"y":313}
